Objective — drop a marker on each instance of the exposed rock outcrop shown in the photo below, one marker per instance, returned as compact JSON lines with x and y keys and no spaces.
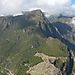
{"x":46,"y":67}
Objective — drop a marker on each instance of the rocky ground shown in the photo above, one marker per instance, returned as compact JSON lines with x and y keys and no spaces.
{"x":46,"y":67}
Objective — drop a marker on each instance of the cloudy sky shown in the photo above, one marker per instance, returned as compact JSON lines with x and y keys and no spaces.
{"x":9,"y":7}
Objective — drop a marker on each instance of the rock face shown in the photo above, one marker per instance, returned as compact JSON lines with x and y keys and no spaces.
{"x":3,"y":23}
{"x":71,"y":34}
{"x":73,"y":20}
{"x":43,"y":68}
{"x":46,"y":67}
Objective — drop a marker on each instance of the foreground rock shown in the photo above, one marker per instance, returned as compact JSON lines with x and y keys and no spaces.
{"x":46,"y":67}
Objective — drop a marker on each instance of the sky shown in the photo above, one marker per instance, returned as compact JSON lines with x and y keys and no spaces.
{"x":73,"y":1}
{"x":51,"y":7}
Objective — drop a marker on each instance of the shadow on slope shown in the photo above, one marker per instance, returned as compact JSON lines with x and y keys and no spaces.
{"x":55,"y":33}
{"x":62,"y":27}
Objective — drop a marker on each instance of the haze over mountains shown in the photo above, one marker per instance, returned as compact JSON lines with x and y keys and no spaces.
{"x":51,"y":7}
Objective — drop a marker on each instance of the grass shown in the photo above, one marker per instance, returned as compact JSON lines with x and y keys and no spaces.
{"x":18,"y":48}
{"x":53,"y":47}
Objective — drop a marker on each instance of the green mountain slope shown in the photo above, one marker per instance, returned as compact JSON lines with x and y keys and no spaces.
{"x":21,"y":37}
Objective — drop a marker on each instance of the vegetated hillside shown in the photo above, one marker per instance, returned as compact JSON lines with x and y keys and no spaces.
{"x":21,"y":37}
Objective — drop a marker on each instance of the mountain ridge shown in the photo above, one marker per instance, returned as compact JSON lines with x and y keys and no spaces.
{"x":23,"y":36}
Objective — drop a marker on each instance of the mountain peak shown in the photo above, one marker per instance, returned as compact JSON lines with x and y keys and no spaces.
{"x":37,"y":12}
{"x":35,"y":15}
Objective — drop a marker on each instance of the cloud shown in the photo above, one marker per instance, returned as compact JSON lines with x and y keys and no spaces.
{"x":9,"y":7}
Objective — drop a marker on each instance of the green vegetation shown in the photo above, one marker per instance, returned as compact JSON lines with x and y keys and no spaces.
{"x":18,"y":48}
{"x":21,"y":40}
{"x":53,"y":47}
{"x":59,"y":63}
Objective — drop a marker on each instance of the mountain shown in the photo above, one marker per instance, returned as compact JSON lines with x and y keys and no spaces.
{"x":22,"y":36}
{"x":65,"y":26}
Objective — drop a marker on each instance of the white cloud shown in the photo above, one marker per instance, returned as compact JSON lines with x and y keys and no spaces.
{"x":10,"y":6}
{"x":51,"y":6}
{"x":70,"y":10}
{"x":52,"y":2}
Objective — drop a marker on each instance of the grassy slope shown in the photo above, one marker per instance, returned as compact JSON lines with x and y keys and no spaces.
{"x":17,"y":47}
